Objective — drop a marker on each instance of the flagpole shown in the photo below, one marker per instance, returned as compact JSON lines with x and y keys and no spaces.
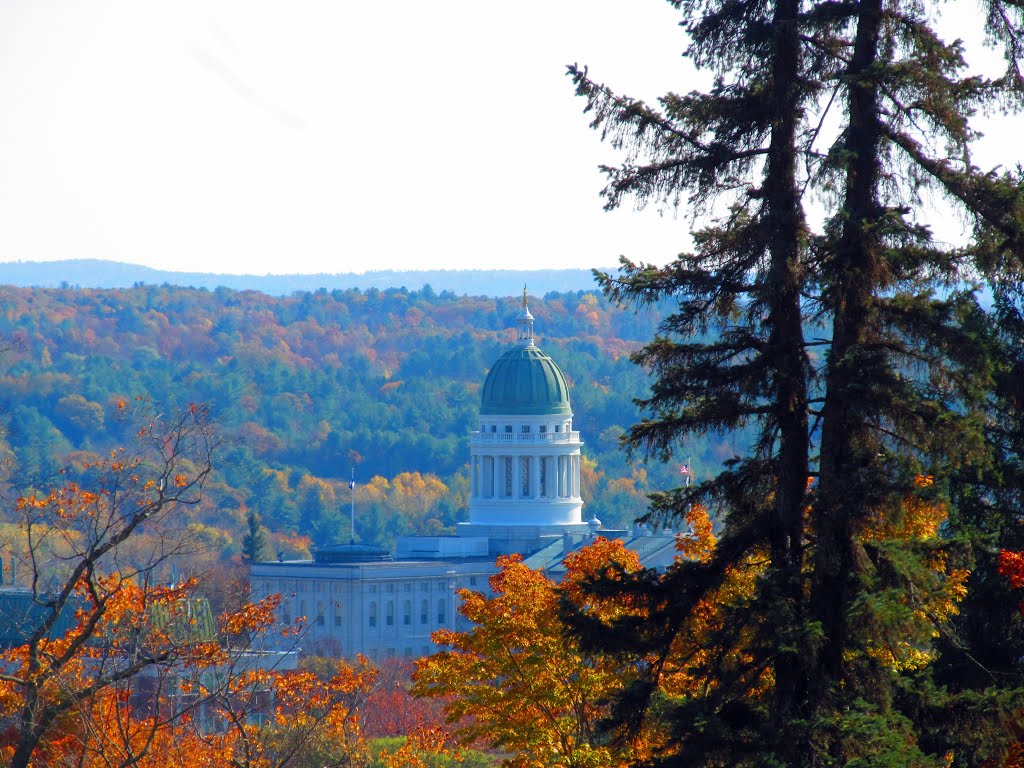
{"x":689,"y":470}
{"x":352,"y":493}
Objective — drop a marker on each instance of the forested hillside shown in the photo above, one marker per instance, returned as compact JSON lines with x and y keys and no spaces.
{"x":304,"y":385}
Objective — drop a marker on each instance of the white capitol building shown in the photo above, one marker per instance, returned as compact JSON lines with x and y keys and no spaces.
{"x":525,"y":498}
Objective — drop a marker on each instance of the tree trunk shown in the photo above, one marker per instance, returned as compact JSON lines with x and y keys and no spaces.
{"x":785,"y":229}
{"x":846,"y":452}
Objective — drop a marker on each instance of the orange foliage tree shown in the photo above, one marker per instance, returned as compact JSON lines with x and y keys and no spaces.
{"x":91,"y":618}
{"x":517,"y":681}
{"x":117,"y":667}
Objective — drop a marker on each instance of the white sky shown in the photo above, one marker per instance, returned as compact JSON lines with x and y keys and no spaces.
{"x":250,"y":136}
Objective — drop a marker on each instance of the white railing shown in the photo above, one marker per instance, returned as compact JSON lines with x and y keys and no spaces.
{"x":526,"y":437}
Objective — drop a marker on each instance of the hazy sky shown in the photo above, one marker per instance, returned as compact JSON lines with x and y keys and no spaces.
{"x":327,"y":136}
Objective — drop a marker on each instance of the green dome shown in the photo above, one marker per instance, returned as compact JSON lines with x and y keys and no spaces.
{"x":525,"y":382}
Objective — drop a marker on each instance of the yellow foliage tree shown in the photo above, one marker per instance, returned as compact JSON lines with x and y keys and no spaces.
{"x":517,"y":681}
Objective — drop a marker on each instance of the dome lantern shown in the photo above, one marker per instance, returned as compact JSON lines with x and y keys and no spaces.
{"x":525,"y":321}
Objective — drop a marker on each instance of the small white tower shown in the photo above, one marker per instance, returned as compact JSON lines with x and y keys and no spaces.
{"x":525,"y":457}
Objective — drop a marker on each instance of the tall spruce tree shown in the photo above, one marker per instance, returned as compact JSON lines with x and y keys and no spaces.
{"x":895,"y":399}
{"x":254,"y":542}
{"x":739,"y":146}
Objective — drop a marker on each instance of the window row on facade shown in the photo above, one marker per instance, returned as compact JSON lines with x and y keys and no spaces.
{"x":332,"y":613}
{"x":526,"y":429}
{"x":286,"y":587}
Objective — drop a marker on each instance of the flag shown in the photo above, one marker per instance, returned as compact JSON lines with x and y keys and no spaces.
{"x":352,"y":484}
{"x":684,"y":469}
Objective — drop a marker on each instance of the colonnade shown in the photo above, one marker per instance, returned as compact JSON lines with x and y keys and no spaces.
{"x":525,"y":477}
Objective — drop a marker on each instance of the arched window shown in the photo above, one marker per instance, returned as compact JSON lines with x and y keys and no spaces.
{"x":390,"y":614}
{"x":424,"y":612}
{"x":440,"y":611}
{"x":373,"y":613}
{"x":407,"y":612}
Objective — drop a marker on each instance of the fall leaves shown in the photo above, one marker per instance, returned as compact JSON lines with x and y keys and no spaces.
{"x":517,"y":681}
{"x":522,"y":682}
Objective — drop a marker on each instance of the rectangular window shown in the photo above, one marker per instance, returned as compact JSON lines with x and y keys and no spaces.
{"x":543,"y":475}
{"x":526,"y":429}
{"x":508,"y":476}
{"x":524,"y":475}
{"x":543,"y":428}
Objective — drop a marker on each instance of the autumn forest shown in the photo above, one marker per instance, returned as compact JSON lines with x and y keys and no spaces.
{"x":305,"y":388}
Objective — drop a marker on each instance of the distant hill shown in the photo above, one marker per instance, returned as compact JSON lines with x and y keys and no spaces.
{"x":97,"y":273}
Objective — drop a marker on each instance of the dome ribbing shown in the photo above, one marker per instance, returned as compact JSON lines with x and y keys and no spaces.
{"x":525,"y":382}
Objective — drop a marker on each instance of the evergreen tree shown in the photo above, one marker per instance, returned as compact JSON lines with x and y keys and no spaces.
{"x":895,"y":399}
{"x":254,"y":543}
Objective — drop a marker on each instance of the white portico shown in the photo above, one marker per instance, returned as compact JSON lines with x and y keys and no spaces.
{"x":525,"y":457}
